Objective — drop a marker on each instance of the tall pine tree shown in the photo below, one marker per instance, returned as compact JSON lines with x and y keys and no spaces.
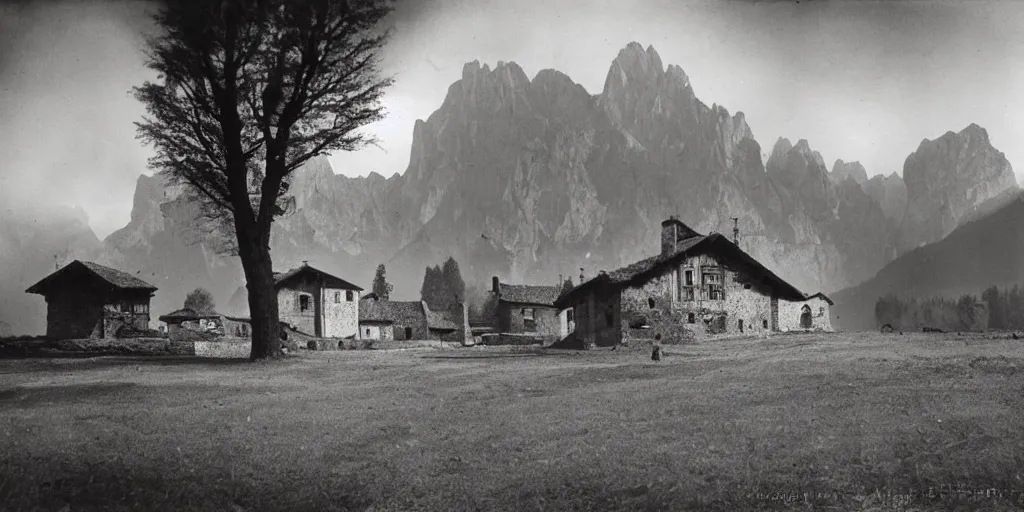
{"x":454,"y":289}
{"x":381,"y":286}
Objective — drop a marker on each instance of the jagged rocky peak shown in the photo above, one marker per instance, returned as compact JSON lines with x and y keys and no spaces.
{"x":634,"y":64}
{"x":781,"y":148}
{"x":676,"y":75}
{"x":842,"y":170}
{"x":947,"y":178}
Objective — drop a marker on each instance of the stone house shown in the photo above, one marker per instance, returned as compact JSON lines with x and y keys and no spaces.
{"x":410,"y":320}
{"x":88,"y":300}
{"x":188,"y":325}
{"x":529,"y":309}
{"x":810,"y":314}
{"x":697,"y":287}
{"x":316,"y":303}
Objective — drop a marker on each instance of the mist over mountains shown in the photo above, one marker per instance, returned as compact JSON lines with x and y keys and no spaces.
{"x":531,"y":178}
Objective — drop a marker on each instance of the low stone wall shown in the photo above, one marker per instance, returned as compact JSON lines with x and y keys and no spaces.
{"x":128,"y":346}
{"x":517,"y":339}
{"x":223,"y":349}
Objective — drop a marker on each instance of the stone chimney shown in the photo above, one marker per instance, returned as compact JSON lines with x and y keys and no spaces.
{"x":673,"y":231}
{"x":495,"y":285}
{"x":305,"y":263}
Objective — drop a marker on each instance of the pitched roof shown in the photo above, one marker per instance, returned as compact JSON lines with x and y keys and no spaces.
{"x":823,"y":296}
{"x":644,"y":268}
{"x":387,"y":311}
{"x":186,"y":314}
{"x":115,"y":278}
{"x":528,"y":294}
{"x":281,"y":278}
{"x":440,"y":320}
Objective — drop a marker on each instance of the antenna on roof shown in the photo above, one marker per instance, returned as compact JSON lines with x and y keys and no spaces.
{"x":735,"y":230}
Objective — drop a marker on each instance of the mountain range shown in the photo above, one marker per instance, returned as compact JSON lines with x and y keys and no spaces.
{"x":528,"y":179}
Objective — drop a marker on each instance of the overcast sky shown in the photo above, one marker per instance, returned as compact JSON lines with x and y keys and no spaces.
{"x":861,"y":81}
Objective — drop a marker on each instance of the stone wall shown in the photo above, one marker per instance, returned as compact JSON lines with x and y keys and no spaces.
{"x":416,"y":323}
{"x":376,"y":331}
{"x":223,"y":349}
{"x":516,"y":339}
{"x":791,"y":312}
{"x":341,"y":313}
{"x":288,"y":303}
{"x":655,"y":308}
{"x":511,"y":319}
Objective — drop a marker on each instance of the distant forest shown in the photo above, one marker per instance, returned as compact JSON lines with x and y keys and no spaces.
{"x":997,"y":309}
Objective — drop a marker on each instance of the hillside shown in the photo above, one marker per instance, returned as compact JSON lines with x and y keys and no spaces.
{"x":984,"y":252}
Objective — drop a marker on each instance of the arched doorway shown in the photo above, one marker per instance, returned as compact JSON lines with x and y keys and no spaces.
{"x":805,"y":317}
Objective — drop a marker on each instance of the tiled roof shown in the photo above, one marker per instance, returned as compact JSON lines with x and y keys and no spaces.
{"x":330,"y":280}
{"x":529,"y":294}
{"x":441,"y":320}
{"x":637,"y":270}
{"x":186,"y":314}
{"x":116,"y":278}
{"x":388,"y":311}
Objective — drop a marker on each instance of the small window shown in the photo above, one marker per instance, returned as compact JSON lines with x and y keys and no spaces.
{"x":570,"y":315}
{"x":740,"y":325}
{"x":348,"y":295}
{"x":408,"y":333}
{"x":303,"y":303}
{"x":691,"y":318}
{"x":529,"y":323}
{"x":337,"y":297}
{"x":764,"y":323}
{"x":746,"y":286}
{"x":367,"y":332}
{"x":650,"y":303}
{"x":821,"y":311}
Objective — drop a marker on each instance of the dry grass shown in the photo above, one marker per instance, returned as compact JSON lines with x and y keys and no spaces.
{"x":823,"y":422}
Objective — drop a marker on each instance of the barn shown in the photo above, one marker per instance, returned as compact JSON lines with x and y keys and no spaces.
{"x":88,"y":300}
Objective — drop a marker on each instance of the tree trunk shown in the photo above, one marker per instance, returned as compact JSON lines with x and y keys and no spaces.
{"x":259,"y":281}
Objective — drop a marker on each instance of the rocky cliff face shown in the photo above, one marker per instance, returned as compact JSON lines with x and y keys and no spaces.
{"x":842,"y":170}
{"x":890,"y":192}
{"x":947,"y":178}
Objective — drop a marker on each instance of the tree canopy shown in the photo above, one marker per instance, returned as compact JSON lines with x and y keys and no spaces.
{"x":247,"y":92}
{"x":200,"y":301}
{"x":381,"y":286}
{"x":443,"y":287}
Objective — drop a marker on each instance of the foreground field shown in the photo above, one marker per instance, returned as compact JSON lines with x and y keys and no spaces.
{"x":824,"y":422}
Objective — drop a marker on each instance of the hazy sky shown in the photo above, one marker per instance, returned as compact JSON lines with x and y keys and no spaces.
{"x":861,"y":81}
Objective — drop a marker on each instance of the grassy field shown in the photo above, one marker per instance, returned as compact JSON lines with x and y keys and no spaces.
{"x":803,"y":422}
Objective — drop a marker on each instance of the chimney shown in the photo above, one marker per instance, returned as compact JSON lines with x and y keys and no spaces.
{"x":560,"y":280}
{"x":305,"y":263}
{"x":582,"y":278}
{"x":494,"y":284}
{"x":669,"y":235}
{"x":736,"y":230}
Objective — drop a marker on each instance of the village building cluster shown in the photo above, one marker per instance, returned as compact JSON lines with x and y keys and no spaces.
{"x":698,"y":287}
